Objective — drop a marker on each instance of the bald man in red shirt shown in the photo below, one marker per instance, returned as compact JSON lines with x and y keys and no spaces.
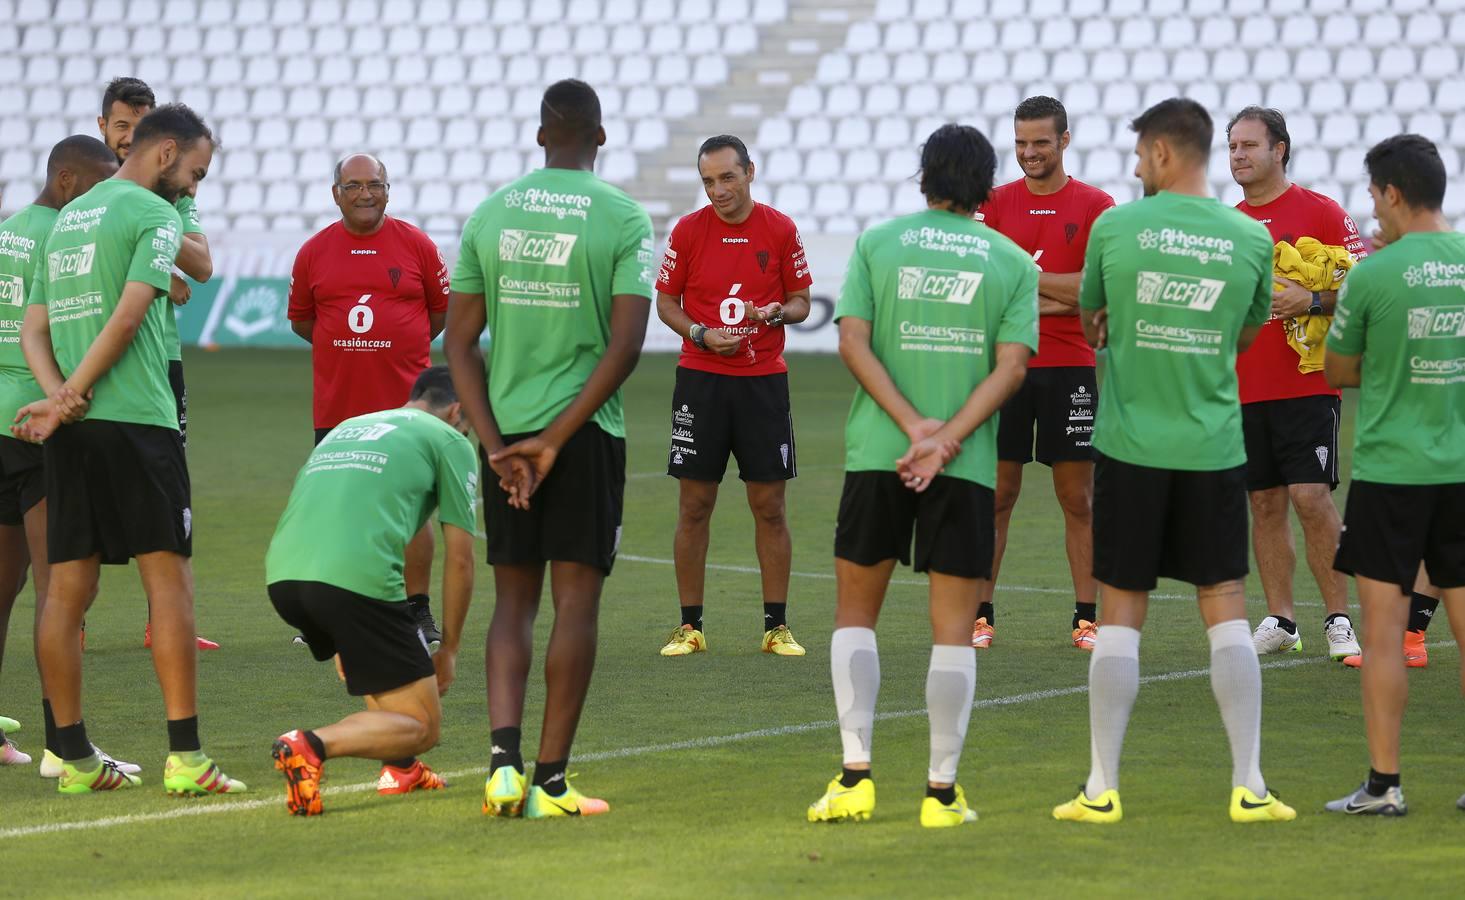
{"x":369,"y":293}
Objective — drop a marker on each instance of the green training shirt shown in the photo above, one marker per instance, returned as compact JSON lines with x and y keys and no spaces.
{"x":940,"y":291}
{"x":117,"y":232}
{"x":364,"y":492}
{"x":1403,"y":309}
{"x":548,"y":252}
{"x":1180,"y":276}
{"x":22,"y":245}
{"x":188,"y":214}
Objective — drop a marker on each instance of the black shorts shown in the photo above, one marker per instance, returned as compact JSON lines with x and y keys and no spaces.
{"x":748,"y":416}
{"x":1389,"y":529}
{"x":380,"y":644}
{"x":118,"y":490}
{"x":1060,"y":401}
{"x":952,"y":522}
{"x":1152,"y":523}
{"x":1293,"y":441}
{"x":22,"y":479}
{"x":574,"y":516}
{"x":180,"y":397}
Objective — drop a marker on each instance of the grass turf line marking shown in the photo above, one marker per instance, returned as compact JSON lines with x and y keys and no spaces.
{"x":626,"y":752}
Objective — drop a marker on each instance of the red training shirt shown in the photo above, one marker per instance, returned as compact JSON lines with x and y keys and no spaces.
{"x":1054,"y":228}
{"x":370,"y":298}
{"x":1268,"y":368}
{"x":714,"y":267}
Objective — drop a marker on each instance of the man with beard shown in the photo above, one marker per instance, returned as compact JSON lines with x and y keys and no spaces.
{"x":117,"y":483}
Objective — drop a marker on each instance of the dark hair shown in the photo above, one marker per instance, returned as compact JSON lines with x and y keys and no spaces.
{"x":132,"y":91}
{"x":434,"y":385}
{"x":77,"y":151}
{"x":1276,"y":125}
{"x":957,"y":165}
{"x":1184,"y":123}
{"x":722,"y":142}
{"x":1411,"y":163}
{"x":172,"y":120}
{"x":570,"y":110}
{"x":1041,"y":107}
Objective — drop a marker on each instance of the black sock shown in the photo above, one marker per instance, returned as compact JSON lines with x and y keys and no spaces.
{"x":52,"y":742}
{"x":946,"y":795}
{"x":183,"y":735}
{"x":1331,"y":616}
{"x":418,"y":600}
{"x":506,"y":749}
{"x":692,"y":615}
{"x":852,"y":777}
{"x":985,"y":611}
{"x":316,"y":744}
{"x":1286,"y":624}
{"x":400,"y":763}
{"x":774,"y":615}
{"x":550,"y":776}
{"x":73,"y":742}
{"x":1421,"y":611}
{"x":1088,"y":612}
{"x":1379,"y":783}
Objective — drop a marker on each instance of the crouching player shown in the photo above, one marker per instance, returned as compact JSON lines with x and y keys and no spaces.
{"x":334,"y":570}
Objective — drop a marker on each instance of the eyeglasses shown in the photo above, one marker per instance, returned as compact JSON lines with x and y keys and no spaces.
{"x":351,"y":189}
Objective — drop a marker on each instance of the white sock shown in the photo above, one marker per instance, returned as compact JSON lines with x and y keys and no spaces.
{"x":1113,"y":685}
{"x":950,"y":683}
{"x":854,"y":664}
{"x":1236,"y":680}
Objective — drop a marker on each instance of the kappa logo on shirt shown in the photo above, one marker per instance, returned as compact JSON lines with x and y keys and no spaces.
{"x":548,"y":248}
{"x":1432,"y":322}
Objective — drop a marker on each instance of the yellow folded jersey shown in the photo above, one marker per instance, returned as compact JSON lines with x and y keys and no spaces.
{"x":1317,"y":267}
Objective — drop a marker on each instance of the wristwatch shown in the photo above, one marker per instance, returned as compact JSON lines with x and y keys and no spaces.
{"x":698,"y":335}
{"x":1316,"y":309}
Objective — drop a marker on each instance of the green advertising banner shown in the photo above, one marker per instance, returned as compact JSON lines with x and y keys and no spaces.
{"x":242,"y":312}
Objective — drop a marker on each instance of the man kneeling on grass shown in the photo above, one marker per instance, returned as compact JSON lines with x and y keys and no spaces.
{"x":334,"y":570}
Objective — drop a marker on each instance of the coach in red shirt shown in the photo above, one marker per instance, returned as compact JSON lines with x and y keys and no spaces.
{"x":369,"y":293}
{"x":1290,"y":417}
{"x":733,"y":275}
{"x":1049,"y":215}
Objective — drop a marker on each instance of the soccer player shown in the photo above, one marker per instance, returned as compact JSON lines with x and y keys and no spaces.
{"x":74,"y":166}
{"x":1049,"y":214}
{"x":937,"y":318}
{"x":384,"y":472}
{"x":116,"y":480}
{"x":1399,"y":336}
{"x":1290,"y":417}
{"x":369,"y":293}
{"x":124,"y":102}
{"x":733,"y":275}
{"x":1174,"y":284}
{"x":557,"y":264}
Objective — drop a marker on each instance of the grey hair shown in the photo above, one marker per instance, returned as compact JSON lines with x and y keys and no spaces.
{"x":341,"y":163}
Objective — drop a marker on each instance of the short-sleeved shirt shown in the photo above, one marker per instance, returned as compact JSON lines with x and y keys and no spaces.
{"x":1403,"y":309}
{"x":940,"y":291}
{"x":1054,"y":228}
{"x":366,"y":489}
{"x":715,"y":267}
{"x":1180,"y":276}
{"x":548,"y":252}
{"x":1268,"y":368}
{"x":22,"y":246}
{"x":371,"y":298}
{"x":116,"y":233}
{"x":188,"y":214}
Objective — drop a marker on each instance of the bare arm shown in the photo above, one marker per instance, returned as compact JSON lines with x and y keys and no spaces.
{"x":194,"y":258}
{"x":669,"y":311}
{"x":435,"y":322}
{"x":1095,"y":326}
{"x":1342,"y":370}
{"x":457,"y":595}
{"x":35,"y":343}
{"x":305,"y":328}
{"x":467,"y":317}
{"x":1248,"y":334}
{"x":796,"y":307}
{"x":854,"y":349}
{"x":1058,"y":293}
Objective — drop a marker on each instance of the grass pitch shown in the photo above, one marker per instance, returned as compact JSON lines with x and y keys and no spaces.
{"x":709,"y":762}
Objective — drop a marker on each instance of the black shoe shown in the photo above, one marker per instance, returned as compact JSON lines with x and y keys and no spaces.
{"x":430,"y":633}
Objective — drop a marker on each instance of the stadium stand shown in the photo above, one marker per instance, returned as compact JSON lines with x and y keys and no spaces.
{"x":833,"y":96}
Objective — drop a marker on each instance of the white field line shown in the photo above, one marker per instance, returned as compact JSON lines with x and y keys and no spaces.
{"x":205,"y":807}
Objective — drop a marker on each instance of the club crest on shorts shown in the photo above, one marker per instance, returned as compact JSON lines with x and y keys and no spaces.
{"x":187,"y":522}
{"x":783,"y":452}
{"x":1322,"y":456}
